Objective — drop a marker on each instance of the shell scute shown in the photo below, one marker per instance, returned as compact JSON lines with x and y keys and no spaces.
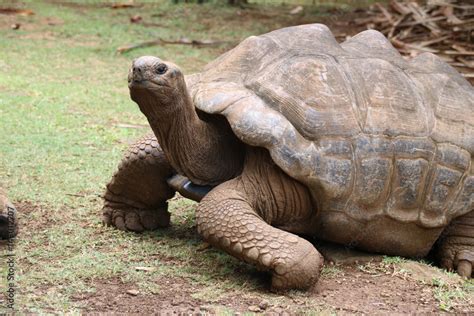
{"x":289,"y":88}
{"x":410,"y":176}
{"x":388,"y":97}
{"x":373,"y":44}
{"x":448,"y":99}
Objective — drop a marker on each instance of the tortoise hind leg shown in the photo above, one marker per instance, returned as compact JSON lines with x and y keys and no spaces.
{"x":135,"y":198}
{"x":237,"y":216}
{"x":456,"y":249}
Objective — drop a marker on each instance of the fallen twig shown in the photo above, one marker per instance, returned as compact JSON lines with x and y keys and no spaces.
{"x":123,"y":5}
{"x":124,"y":49}
{"x":76,"y":195}
{"x":441,"y":27}
{"x":160,"y":41}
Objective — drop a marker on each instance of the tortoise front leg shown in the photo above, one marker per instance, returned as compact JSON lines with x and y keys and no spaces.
{"x":456,"y":250}
{"x":237,"y":215}
{"x":135,"y":198}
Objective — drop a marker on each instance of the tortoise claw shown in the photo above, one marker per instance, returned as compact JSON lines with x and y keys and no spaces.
{"x":447,"y":264}
{"x":136,"y":220}
{"x":460,"y":262}
{"x":464,"y":268}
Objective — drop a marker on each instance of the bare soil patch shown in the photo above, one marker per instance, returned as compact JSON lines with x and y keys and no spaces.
{"x":115,"y":296}
{"x":358,"y":292}
{"x":32,"y":217}
{"x":352,"y":290}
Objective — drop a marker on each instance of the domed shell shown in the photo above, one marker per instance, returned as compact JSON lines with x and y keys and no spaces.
{"x":305,"y":97}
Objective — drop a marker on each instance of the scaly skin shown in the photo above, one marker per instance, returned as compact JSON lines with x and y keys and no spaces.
{"x":237,"y":216}
{"x":456,"y":250}
{"x":136,"y":196}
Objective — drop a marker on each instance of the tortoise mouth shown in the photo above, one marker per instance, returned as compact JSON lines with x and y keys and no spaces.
{"x":146,"y":84}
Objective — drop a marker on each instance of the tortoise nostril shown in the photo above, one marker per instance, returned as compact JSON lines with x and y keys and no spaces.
{"x":137,"y":69}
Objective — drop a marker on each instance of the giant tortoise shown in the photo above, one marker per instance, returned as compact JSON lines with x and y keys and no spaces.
{"x":291,"y":134}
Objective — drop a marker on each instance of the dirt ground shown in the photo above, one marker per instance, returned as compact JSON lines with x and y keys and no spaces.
{"x":354,"y":283}
{"x":68,"y":262}
{"x":352,"y":291}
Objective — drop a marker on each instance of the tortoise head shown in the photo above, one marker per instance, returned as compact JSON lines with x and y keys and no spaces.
{"x":156,"y":86}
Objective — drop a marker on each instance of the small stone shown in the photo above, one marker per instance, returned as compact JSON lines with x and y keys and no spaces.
{"x":136,"y":19}
{"x":133,"y":292}
{"x":263,"y":305}
{"x":205,"y":308}
{"x":175,"y":302}
{"x":254,"y":309}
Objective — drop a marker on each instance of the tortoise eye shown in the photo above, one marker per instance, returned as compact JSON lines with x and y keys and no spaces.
{"x":161,"y":69}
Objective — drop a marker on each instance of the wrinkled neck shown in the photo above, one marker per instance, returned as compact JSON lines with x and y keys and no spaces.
{"x":178,"y":131}
{"x":198,"y":149}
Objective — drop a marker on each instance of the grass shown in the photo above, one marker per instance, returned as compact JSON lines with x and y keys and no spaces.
{"x":448,"y":289}
{"x":63,"y":100}
{"x":449,"y":295}
{"x":331,"y":271}
{"x":63,"y":105}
